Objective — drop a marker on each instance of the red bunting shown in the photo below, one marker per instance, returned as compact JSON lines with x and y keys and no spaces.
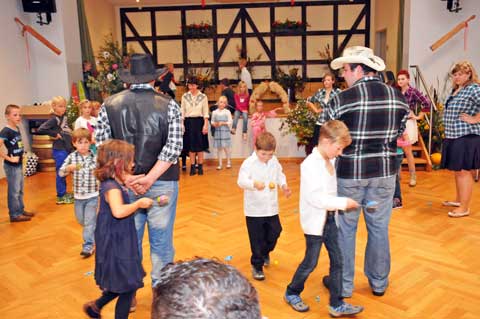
{"x":203,"y":3}
{"x":292,"y":2}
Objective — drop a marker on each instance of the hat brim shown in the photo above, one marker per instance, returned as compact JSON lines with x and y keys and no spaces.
{"x":127,"y":77}
{"x":375,"y":63}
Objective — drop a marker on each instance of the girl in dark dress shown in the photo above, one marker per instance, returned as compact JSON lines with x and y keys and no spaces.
{"x":118,"y":268}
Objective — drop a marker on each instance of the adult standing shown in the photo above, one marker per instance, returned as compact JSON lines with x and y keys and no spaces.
{"x":413,"y":96}
{"x":195,"y":118}
{"x":375,"y":114}
{"x":152,"y":123}
{"x":461,"y":147}
{"x":245,"y":75}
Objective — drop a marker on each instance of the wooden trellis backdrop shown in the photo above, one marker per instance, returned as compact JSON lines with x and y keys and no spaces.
{"x":158,"y":31}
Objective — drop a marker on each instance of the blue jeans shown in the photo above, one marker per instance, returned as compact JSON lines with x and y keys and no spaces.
{"x":14,"y":176}
{"x":86,"y":214}
{"x":398,"y":190}
{"x":377,"y":252}
{"x":60,"y":182}
{"x":160,"y":222}
{"x":245,"y":120}
{"x":310,"y":261}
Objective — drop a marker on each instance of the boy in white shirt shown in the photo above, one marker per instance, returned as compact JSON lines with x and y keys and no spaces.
{"x":318,"y":212}
{"x":259,"y":176}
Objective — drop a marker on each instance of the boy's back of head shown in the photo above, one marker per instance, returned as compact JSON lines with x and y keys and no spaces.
{"x":265,"y":142}
{"x":336,"y":132}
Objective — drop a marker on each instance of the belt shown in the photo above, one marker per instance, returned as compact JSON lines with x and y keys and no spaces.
{"x":331,"y":212}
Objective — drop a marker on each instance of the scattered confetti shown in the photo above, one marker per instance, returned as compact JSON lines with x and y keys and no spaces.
{"x":275,"y":262}
{"x":88,"y":273}
{"x":214,"y":213}
{"x":295,"y":211}
{"x":317,"y":298}
{"x":229,"y":258}
{"x":429,"y":203}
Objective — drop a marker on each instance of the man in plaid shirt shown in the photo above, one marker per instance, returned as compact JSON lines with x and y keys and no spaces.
{"x":375,"y":114}
{"x":152,"y":122}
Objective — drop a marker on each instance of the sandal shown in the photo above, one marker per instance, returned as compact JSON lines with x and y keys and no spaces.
{"x":296,"y":302}
{"x":458,"y":214}
{"x":451,"y":203}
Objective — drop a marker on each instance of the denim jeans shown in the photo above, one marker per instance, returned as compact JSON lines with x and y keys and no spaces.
{"x":310,"y":261}
{"x":86,"y":214}
{"x":60,"y":182}
{"x":245,"y":120}
{"x":377,"y":253}
{"x":398,"y":191}
{"x":14,"y":176}
{"x":160,"y":220}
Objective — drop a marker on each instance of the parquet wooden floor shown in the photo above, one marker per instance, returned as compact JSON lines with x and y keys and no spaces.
{"x":435,"y":259}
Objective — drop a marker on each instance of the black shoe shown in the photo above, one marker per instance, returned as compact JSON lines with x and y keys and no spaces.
{"x":378,"y":293}
{"x":28,"y":214}
{"x":87,"y":253}
{"x":184,"y":168}
{"x":200,"y":169}
{"x":19,"y":218}
{"x":192,"y":170}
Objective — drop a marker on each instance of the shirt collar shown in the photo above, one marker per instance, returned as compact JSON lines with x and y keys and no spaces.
{"x":141,"y":86}
{"x":368,"y":79}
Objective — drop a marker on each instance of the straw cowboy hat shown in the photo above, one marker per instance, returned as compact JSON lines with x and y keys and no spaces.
{"x":358,"y":54}
{"x":141,"y":70}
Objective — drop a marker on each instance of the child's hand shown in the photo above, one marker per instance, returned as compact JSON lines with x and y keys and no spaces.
{"x":14,"y":159}
{"x":352,"y":204}
{"x":58,"y":137}
{"x":259,"y":185}
{"x":286,"y":191}
{"x":145,"y":202}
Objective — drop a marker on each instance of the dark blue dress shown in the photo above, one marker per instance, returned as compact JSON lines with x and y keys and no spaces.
{"x":118,"y":267}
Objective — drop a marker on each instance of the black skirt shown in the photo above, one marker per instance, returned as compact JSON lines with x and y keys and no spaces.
{"x":193,"y":139}
{"x":461,"y":153}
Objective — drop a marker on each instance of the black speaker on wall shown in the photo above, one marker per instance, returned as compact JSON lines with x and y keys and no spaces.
{"x":43,"y":6}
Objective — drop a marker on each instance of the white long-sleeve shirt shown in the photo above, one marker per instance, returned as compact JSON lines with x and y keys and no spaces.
{"x":262,"y":203}
{"x":318,"y":193}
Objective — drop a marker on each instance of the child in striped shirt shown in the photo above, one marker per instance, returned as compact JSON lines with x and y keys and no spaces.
{"x":82,"y":163}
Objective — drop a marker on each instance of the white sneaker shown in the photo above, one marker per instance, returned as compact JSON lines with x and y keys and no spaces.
{"x":229,"y":165}
{"x":219,"y":167}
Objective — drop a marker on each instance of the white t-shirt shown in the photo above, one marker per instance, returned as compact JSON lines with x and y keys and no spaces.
{"x":89,"y":124}
{"x":246,"y":77}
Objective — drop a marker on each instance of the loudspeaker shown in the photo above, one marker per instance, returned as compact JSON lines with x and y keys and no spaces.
{"x":47,"y":6}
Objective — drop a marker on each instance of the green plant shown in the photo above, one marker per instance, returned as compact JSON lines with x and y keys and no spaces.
{"x":206,"y":77}
{"x":290,"y":81}
{"x":289,"y":25}
{"x":198,"y":31}
{"x":109,"y":61}
{"x":301,"y":122}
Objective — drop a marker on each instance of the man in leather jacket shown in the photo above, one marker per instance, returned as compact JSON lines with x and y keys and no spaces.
{"x":152,"y":122}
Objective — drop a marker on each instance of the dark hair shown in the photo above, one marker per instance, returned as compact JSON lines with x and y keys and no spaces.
{"x":204,"y":289}
{"x":114,"y":157}
{"x":265,"y":142}
{"x":225,"y":82}
{"x":80,"y":133}
{"x":365,"y":68}
{"x":9,"y":108}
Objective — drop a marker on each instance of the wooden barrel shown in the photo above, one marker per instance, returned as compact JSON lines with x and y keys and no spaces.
{"x":42,"y":147}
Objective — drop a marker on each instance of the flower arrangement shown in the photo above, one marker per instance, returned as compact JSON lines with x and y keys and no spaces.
{"x":290,"y":81}
{"x":289,"y":25}
{"x":109,"y":60}
{"x":206,"y":77}
{"x":301,"y":122}
{"x":198,"y":31}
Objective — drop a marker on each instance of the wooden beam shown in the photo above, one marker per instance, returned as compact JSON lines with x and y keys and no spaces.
{"x":451,"y":33}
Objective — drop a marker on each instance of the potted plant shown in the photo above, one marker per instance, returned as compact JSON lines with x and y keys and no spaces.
{"x":301,"y":122}
{"x":198,"y":30}
{"x":291,"y":82}
{"x":289,"y":26}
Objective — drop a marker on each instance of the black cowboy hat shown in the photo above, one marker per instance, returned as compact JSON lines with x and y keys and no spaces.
{"x":141,"y":70}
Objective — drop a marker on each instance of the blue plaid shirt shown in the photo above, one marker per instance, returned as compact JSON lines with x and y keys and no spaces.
{"x":172,"y":148}
{"x":375,"y":114}
{"x":467,"y":100}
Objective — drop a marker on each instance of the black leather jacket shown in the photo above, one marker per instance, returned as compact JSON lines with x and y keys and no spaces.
{"x":140,"y":117}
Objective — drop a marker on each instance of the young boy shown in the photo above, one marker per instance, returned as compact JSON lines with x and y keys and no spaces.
{"x":259,"y":176}
{"x":12,"y":139}
{"x":82,"y":163}
{"x":318,"y":209}
{"x":57,"y":127}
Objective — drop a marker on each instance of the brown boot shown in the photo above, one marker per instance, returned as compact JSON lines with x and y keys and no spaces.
{"x":19,"y":218}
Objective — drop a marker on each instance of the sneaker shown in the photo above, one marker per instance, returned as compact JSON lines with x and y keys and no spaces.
{"x":413,"y":180}
{"x":266,"y":261}
{"x":345,"y":309}
{"x":296,"y":302}
{"x":397,"y":203}
{"x":219,"y":167}
{"x":19,"y":218}
{"x":258,"y":274}
{"x":458,"y":214}
{"x":87,"y":252}
{"x":229,"y":165}
{"x":64,"y":200}
{"x":28,"y":214}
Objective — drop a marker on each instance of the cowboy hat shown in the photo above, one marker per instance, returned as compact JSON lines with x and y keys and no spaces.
{"x":361,"y":55}
{"x":141,"y":70}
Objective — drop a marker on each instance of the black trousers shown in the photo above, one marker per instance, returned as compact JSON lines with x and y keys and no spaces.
{"x":263,"y":233}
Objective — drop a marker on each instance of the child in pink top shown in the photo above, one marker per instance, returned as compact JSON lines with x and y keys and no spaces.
{"x":241,"y":108}
{"x":259,"y":117}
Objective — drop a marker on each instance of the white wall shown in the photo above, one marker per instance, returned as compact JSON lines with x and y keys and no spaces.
{"x":428,"y":21}
{"x":49,"y":74}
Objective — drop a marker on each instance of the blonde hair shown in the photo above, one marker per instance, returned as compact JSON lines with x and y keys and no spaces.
{"x":222,"y":97}
{"x":465,"y":67}
{"x":241,"y":85}
{"x":265,"y":142}
{"x":83,"y":104}
{"x":58,"y":100}
{"x":335,"y":131}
